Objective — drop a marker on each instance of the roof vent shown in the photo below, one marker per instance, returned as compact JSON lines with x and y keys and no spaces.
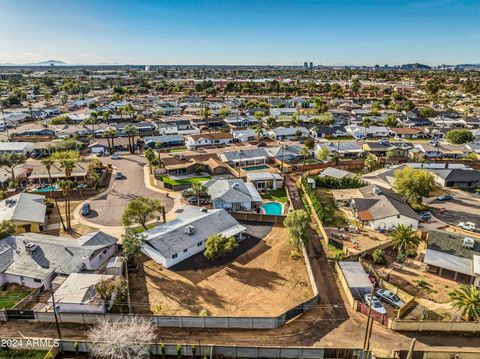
{"x":10,"y":202}
{"x":376,"y":190}
{"x":204,"y":209}
{"x":468,"y":243}
{"x":236,"y":185}
{"x":190,"y":230}
{"x":30,"y":247}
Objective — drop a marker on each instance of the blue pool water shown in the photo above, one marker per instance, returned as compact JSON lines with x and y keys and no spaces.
{"x":256,"y":168}
{"x":273,"y":208}
{"x":47,"y":189}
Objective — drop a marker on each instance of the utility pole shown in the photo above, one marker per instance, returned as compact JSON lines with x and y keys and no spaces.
{"x":55,"y":314}
{"x":368,"y":329}
{"x":5,"y":123}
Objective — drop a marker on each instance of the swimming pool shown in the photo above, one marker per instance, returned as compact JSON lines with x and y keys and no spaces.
{"x":47,"y":189}
{"x":256,"y":168}
{"x":273,"y":208}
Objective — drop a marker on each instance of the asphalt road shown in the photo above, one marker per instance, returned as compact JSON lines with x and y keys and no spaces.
{"x":107,"y":210}
{"x":465,"y":207}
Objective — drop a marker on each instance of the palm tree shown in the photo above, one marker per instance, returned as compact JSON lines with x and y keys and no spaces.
{"x":467,"y":300}
{"x":107,"y":116}
{"x":111,"y":134}
{"x":48,"y":163}
{"x":304,"y":152}
{"x":158,"y":145}
{"x":198,"y":190}
{"x":66,"y":186}
{"x":259,"y":132}
{"x":150,"y":156}
{"x":131,"y":131}
{"x":404,"y":238}
{"x":366,"y":122}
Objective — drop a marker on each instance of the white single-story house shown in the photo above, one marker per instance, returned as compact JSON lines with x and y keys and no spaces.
{"x":33,"y":259}
{"x":265,"y":180}
{"x":177,"y":240}
{"x":208,"y":139}
{"x":21,"y":148}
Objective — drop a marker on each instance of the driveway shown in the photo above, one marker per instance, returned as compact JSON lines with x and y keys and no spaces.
{"x":107,"y":209}
{"x":465,"y":207}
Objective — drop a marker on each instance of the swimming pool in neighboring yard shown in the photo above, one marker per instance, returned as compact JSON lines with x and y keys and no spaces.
{"x":256,"y":168}
{"x":47,"y":189}
{"x":273,"y":208}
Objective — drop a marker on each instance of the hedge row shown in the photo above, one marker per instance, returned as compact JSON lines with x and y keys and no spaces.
{"x":317,"y":206}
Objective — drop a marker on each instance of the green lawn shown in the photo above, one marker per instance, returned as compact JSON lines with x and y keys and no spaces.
{"x":278,"y":195}
{"x":192,"y":180}
{"x":333,"y":216}
{"x":23,"y":354}
{"x":10,"y":297}
{"x":141,"y":229}
{"x":177,"y":149}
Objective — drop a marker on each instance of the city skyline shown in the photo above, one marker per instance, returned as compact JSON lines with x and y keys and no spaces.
{"x":247,"y":33}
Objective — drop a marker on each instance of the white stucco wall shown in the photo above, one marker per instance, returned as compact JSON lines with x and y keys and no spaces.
{"x":391,"y":222}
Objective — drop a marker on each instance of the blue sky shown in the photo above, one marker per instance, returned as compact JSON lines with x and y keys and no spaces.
{"x":240,"y":32}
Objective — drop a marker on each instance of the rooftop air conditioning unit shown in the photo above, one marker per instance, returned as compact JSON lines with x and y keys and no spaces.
{"x":190,"y":230}
{"x":30,"y":247}
{"x":236,"y":185}
{"x":468,"y":243}
{"x":376,"y":190}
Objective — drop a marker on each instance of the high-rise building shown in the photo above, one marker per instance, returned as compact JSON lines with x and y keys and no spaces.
{"x":305,"y":65}
{"x":310,"y":65}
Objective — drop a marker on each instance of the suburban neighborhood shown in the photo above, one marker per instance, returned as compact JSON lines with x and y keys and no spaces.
{"x":311,"y":211}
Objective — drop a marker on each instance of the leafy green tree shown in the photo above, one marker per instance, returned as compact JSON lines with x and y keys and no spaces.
{"x":297,"y":224}
{"x":427,"y":112}
{"x":413,"y":184}
{"x":59,"y":120}
{"x":460,"y":136}
{"x":7,"y":228}
{"x":371,"y":163}
{"x":467,"y":300}
{"x":323,"y":153}
{"x":309,"y":143}
{"x":218,"y":246}
{"x":391,"y":121}
{"x":366,"y":122}
{"x":404,"y":238}
{"x":141,"y":210}
{"x":132,"y":243}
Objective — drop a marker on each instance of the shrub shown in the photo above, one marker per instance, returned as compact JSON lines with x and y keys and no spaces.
{"x":339,"y":183}
{"x":317,"y":206}
{"x":378,"y":256}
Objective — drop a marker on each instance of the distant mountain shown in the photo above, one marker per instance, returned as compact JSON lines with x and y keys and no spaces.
{"x":48,"y":63}
{"x":415,"y":66}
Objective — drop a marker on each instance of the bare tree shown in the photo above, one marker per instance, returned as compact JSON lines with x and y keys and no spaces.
{"x":127,"y":338}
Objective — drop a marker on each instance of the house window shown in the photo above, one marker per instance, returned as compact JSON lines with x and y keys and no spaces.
{"x":185,"y":250}
{"x":174,"y":256}
{"x":398,"y":216}
{"x":199,"y":244}
{"x":37,"y":280}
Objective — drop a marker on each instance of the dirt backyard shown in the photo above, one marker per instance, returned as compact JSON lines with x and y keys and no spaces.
{"x":259,"y":278}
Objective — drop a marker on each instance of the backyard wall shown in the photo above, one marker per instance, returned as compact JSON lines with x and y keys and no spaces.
{"x":257,"y":217}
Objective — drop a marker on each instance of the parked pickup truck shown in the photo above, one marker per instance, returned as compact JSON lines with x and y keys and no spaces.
{"x":469,"y":226}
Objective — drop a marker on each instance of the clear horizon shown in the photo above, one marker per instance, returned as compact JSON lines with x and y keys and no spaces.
{"x":334,"y":33}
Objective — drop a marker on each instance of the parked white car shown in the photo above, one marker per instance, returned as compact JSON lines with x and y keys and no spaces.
{"x":390,"y":297}
{"x":376,"y":304}
{"x":469,"y":226}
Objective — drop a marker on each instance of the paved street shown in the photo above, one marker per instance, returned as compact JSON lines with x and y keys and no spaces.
{"x":108,"y":208}
{"x":464,"y":207}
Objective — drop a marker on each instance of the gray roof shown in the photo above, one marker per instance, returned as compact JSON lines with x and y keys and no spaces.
{"x":259,"y":176}
{"x":232,"y":191}
{"x":244,"y":155}
{"x":446,"y":250}
{"x":383,"y":204}
{"x":164,"y":138}
{"x":25,"y":207}
{"x":458,"y":175}
{"x":53,"y":254}
{"x":171,"y":237}
{"x":79,"y":288}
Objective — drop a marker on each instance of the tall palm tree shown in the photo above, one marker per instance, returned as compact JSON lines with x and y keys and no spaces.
{"x":150,"y":157}
{"x":198,"y":190}
{"x":467,"y":300}
{"x":404,"y":237}
{"x":304,"y":152}
{"x":259,"y":132}
{"x":48,"y":163}
{"x":111,"y":134}
{"x":107,"y":116}
{"x":158,"y":145}
{"x":131,"y":131}
{"x":366,"y":122}
{"x":66,"y":186}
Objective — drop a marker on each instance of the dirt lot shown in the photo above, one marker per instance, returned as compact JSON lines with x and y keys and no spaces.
{"x":259,"y":278}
